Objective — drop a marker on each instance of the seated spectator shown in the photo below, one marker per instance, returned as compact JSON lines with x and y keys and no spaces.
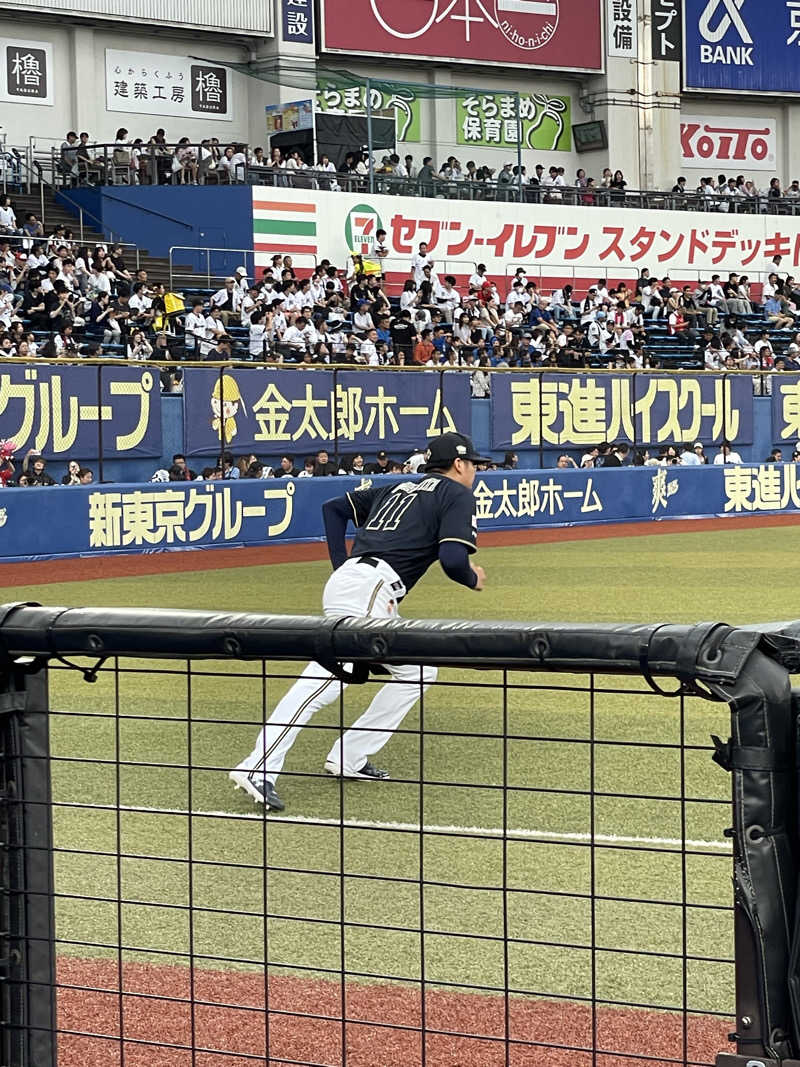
{"x":229,"y":469}
{"x":381,"y":464}
{"x":72,"y":475}
{"x":139,"y":348}
{"x":726,"y":455}
{"x":85,"y":476}
{"x":309,"y":463}
{"x":184,"y":163}
{"x":34,"y":468}
{"x":179,"y":460}
{"x":324,"y":466}
{"x":286,"y":468}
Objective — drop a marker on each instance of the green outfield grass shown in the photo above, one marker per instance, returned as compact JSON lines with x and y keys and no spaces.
{"x":727,"y":576}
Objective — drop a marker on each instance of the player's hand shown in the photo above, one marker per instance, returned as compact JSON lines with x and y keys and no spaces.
{"x":479,"y":571}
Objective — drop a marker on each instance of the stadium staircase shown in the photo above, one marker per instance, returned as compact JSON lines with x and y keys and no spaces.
{"x":57,"y":213}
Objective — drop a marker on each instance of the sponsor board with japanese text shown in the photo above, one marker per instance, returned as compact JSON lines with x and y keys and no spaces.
{"x":57,"y":410}
{"x":547,"y":34}
{"x":581,"y":410}
{"x":622,"y":40}
{"x":490,"y":119}
{"x":297,"y":22}
{"x":149,"y":83}
{"x":300,"y":412}
{"x":551,"y":240}
{"x":135,"y":518}
{"x":342,"y":99}
{"x":26,"y":71}
{"x":741,"y":143}
{"x":742,"y":45}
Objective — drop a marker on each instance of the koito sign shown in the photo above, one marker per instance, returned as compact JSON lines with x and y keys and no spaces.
{"x":554,"y":34}
{"x":746,"y":144}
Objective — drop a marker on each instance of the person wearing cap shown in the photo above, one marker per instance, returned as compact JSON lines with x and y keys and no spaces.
{"x":228,"y":301}
{"x":401,"y":529}
{"x":689,"y":456}
{"x":240,"y":276}
{"x":381,"y":465}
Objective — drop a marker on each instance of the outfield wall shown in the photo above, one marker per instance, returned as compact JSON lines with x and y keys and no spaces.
{"x":99,"y":520}
{"x":118,"y":412}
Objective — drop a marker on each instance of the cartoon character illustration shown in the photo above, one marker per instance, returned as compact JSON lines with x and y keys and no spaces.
{"x":225,"y":401}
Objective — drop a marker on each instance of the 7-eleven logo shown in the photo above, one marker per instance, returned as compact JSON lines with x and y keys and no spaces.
{"x":363,"y":222}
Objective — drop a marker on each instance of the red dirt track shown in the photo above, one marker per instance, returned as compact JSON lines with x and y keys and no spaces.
{"x":226,"y":1036}
{"x":87,"y":568}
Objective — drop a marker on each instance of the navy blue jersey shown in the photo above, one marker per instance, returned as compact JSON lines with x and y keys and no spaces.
{"x":404,"y":524}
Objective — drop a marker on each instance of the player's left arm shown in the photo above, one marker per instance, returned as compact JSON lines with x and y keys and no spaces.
{"x":458,"y":533}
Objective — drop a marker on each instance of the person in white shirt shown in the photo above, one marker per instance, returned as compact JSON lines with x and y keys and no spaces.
{"x":726,"y":455}
{"x":257,"y":342}
{"x":8,"y":220}
{"x":597,"y":335}
{"x":296,"y":336}
{"x":368,"y":351}
{"x":228,"y":300}
{"x":478,"y":278}
{"x":214,"y":329}
{"x":447,"y":297}
{"x":689,"y":458}
{"x":194,"y":326}
{"x":362,"y":320}
{"x":419,"y":261}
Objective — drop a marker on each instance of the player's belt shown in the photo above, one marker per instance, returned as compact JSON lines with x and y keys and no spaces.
{"x":373,"y":561}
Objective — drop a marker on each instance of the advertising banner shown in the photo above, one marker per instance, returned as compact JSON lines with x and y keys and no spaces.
{"x":490,"y":120}
{"x":102,"y":520}
{"x":622,"y":40}
{"x":549,"y":240}
{"x":57,"y":411}
{"x":741,"y":143}
{"x":786,"y":408}
{"x":352,"y":100}
{"x":546,"y":34}
{"x":26,"y":72}
{"x":298,"y":21}
{"x":742,"y":46}
{"x":297,"y":115}
{"x":666,"y":38}
{"x":300,"y":412}
{"x":148,"y":83}
{"x":574,"y":411}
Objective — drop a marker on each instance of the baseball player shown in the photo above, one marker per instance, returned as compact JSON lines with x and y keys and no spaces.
{"x":401,"y":530}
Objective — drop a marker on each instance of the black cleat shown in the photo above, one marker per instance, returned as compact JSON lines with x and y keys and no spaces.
{"x":368,"y":771}
{"x":260,"y":789}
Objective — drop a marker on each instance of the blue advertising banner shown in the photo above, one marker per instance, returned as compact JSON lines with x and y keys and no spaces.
{"x":786,"y":408}
{"x":57,"y":410}
{"x":742,"y":45}
{"x":298,"y":21}
{"x":270,"y":411}
{"x":71,"y":521}
{"x":575,"y":410}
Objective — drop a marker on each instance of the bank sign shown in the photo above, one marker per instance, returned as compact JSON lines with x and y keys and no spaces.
{"x":742,"y":45}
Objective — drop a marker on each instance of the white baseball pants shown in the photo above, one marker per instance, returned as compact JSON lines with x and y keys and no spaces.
{"x":355,"y":589}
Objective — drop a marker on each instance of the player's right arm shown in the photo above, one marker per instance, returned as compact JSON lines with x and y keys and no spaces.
{"x":336,"y":513}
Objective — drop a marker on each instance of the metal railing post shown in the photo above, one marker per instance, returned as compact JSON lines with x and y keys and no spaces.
{"x":100,"y":468}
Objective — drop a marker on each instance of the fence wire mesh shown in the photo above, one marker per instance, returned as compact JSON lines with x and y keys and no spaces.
{"x":544,"y":880}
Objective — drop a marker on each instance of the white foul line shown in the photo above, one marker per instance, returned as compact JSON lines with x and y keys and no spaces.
{"x":516,"y":834}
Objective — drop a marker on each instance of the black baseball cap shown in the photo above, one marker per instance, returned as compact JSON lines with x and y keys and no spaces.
{"x":448,"y":447}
